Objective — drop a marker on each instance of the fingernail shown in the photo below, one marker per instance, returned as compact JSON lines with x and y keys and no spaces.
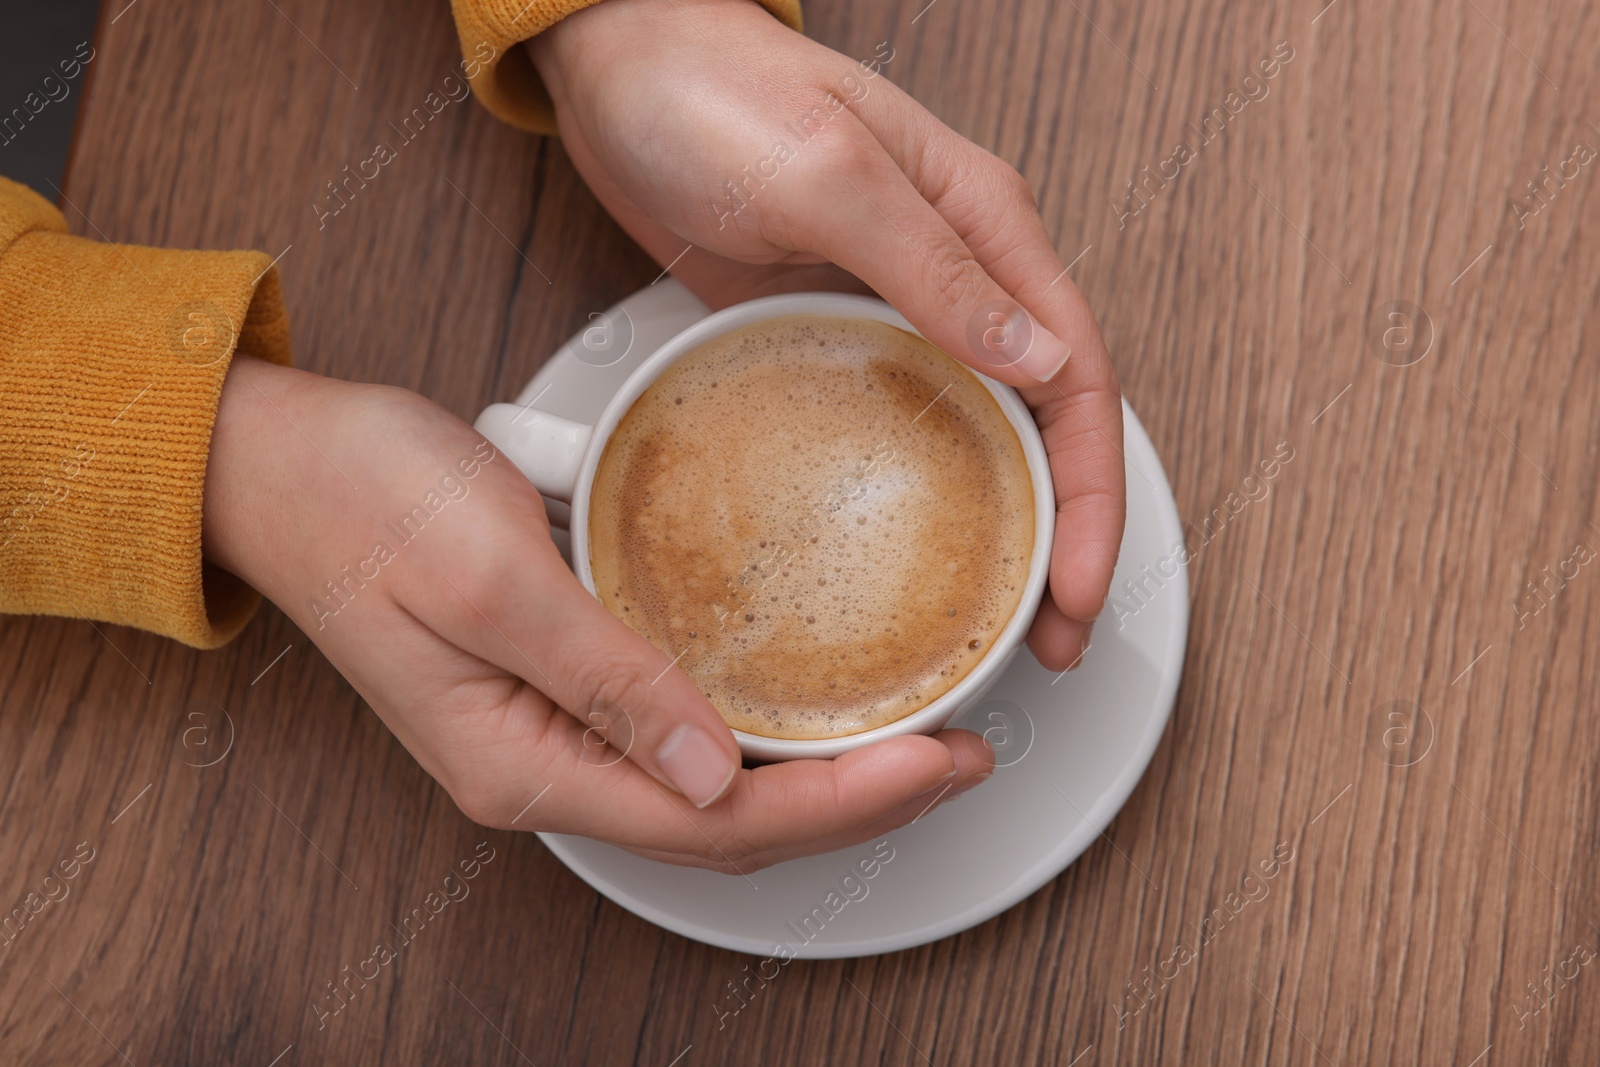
{"x":1083,"y":648}
{"x":695,"y":764}
{"x":1045,"y":356}
{"x":939,"y":788}
{"x":971,"y":783}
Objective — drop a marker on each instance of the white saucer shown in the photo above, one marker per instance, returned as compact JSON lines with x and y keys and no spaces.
{"x":1070,"y":749}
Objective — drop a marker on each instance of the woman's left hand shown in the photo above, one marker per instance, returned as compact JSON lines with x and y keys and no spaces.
{"x":753,"y":160}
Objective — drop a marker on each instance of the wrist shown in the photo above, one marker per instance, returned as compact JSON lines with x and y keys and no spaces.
{"x":591,"y":33}
{"x":553,"y":50}
{"x":244,"y":468}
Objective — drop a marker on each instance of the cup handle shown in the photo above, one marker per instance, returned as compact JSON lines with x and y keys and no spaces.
{"x":545,"y":447}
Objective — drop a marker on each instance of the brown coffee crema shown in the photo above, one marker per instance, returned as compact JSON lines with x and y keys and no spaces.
{"x":828,"y":519}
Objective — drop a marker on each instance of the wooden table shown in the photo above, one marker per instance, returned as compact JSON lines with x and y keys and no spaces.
{"x":1371,"y":683}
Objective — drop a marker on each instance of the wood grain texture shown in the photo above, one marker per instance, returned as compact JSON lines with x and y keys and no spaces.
{"x":1243,"y":304}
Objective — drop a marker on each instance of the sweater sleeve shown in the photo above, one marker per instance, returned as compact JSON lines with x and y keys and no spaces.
{"x":503,"y":77}
{"x":111,"y":365}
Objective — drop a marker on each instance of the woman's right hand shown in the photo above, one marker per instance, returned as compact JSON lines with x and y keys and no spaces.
{"x":419,"y":560}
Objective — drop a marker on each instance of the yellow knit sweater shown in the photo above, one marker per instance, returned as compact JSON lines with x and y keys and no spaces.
{"x":112,"y":359}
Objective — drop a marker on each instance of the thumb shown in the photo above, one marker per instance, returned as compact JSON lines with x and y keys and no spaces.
{"x":541,"y":624}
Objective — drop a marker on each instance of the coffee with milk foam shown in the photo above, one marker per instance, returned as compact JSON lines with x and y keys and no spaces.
{"x":828,"y":520}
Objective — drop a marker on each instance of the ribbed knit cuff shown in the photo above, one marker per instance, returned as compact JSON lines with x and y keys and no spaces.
{"x":503,"y":77}
{"x":112,"y":359}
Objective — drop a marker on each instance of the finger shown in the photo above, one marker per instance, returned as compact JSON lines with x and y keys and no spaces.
{"x":818,"y":805}
{"x":785,"y":805}
{"x":859,"y":209}
{"x":1057,"y":642}
{"x":804,"y":807}
{"x":990,"y":207}
{"x":974,"y":764}
{"x":1080,"y":419}
{"x":529,"y":615}
{"x":988,"y":204}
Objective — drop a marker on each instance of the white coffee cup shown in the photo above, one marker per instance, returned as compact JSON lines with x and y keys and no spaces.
{"x":560,"y":457}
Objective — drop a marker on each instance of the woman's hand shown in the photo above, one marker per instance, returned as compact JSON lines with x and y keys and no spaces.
{"x":420,"y":562}
{"x":754,"y":160}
